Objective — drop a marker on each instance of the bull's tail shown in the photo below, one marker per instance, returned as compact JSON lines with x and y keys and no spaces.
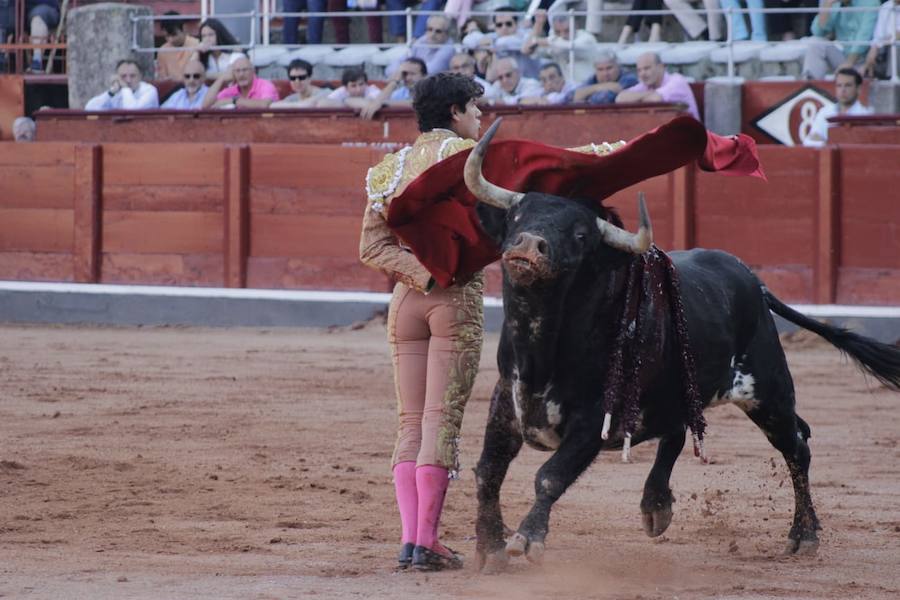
{"x":882,"y":361}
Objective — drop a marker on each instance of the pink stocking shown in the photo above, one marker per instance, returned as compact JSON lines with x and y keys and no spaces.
{"x":431,"y":483}
{"x":407,"y":499}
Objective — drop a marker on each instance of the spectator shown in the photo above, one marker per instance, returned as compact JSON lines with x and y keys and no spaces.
{"x":853,"y":29}
{"x":398,"y":90}
{"x":305,"y":94}
{"x":787,"y":26}
{"x":510,"y":87}
{"x":436,"y":46}
{"x":846,"y":87}
{"x":355,"y":85}
{"x":555,"y":47}
{"x":555,"y":86}
{"x":23,"y":129}
{"x":126,"y":90}
{"x":248,"y":90}
{"x":605,"y":84}
{"x":464,"y":63}
{"x":657,"y":85}
{"x":876,"y":63}
{"x":508,"y":40}
{"x":194,"y":90}
{"x":170,"y":65}
{"x":214,"y":33}
{"x":472,"y":24}
{"x":41,"y":17}
{"x":634,"y":21}
{"x":757,"y":20}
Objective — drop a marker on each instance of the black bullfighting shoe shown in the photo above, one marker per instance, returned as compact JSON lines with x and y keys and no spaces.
{"x":425,"y":559}
{"x":404,"y":559}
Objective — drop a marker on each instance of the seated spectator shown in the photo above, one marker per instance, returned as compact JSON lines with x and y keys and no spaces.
{"x":41,"y":17}
{"x":435,"y":48}
{"x":126,"y":90}
{"x":555,"y":47}
{"x":194,"y":90}
{"x":757,"y":20}
{"x":657,"y":85}
{"x":510,"y":87}
{"x":464,"y":63}
{"x":248,"y":90}
{"x":555,"y":86}
{"x":853,"y":29}
{"x":305,"y":95}
{"x":355,"y":84}
{"x":605,"y":84}
{"x":214,"y":33}
{"x":397,"y":91}
{"x":508,"y":39}
{"x":23,"y":129}
{"x":846,"y":87}
{"x":170,"y":65}
{"x":876,"y":63}
{"x":634,"y":21}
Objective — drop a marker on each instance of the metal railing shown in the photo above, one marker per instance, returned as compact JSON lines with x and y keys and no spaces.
{"x":261,"y":22}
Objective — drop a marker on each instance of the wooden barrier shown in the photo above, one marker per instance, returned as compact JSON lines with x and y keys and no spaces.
{"x":823,"y":229}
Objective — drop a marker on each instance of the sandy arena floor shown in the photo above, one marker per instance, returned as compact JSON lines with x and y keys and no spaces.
{"x":251,"y":464}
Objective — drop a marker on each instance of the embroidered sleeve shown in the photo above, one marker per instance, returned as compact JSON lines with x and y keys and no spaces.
{"x":599,"y":149}
{"x":382,"y":179}
{"x":380,"y":249}
{"x":451,"y":146}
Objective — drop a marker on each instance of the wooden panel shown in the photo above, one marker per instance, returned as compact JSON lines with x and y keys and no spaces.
{"x":763,"y":223}
{"x":323,"y":167}
{"x":339,"y":201}
{"x":36,"y":266}
{"x":12,"y":95}
{"x":38,"y":154}
{"x":868,"y":286}
{"x":315,"y":273}
{"x":684,"y":182}
{"x":191,"y":198}
{"x":237,"y":215}
{"x":162,"y":164}
{"x":658,"y":191}
{"x":36,"y":230}
{"x":827,"y":224}
{"x":304,"y":236}
{"x":790,"y":284}
{"x":163,"y":269}
{"x":36,"y":186}
{"x":162,"y":232}
{"x":88,"y":170}
{"x":870,"y":209}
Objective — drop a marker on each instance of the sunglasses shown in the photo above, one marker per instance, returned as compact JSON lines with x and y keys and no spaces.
{"x":505,"y":24}
{"x":298,"y":77}
{"x":435,"y":30}
{"x":193,"y":75}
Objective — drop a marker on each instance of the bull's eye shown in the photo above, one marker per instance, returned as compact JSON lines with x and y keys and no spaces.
{"x":580,"y":236}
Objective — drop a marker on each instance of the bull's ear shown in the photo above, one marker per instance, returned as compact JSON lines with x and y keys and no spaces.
{"x":493,"y":221}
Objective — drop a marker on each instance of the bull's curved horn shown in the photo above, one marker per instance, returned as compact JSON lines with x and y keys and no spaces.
{"x":480,"y":187}
{"x":635,"y":243}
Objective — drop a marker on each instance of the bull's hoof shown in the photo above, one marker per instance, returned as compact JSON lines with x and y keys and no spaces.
{"x":535,"y":553}
{"x":656,"y":522}
{"x":492,"y":563}
{"x":801,"y":547}
{"x":516,"y":545}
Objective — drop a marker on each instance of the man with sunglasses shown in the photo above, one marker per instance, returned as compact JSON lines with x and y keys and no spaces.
{"x":509,"y":39}
{"x":189,"y":97}
{"x":435,"y":48}
{"x":305,"y":93}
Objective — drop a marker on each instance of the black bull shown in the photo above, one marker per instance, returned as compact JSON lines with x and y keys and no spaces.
{"x":565,"y":265}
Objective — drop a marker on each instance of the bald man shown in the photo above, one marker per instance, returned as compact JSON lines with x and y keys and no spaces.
{"x":248,"y":90}
{"x":658,"y":85}
{"x":193,"y":91}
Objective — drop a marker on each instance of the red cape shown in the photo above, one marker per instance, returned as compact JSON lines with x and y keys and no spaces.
{"x":435,"y":215}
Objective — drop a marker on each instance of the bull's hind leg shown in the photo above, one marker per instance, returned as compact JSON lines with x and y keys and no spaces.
{"x":656,"y":504}
{"x":577,"y":450}
{"x":788,"y":433}
{"x":502,"y":442}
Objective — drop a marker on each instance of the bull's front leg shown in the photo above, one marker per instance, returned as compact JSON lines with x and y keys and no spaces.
{"x":656,"y":504}
{"x":577,"y":450}
{"x":502,"y":442}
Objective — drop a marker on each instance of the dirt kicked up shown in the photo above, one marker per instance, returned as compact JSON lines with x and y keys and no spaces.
{"x":249,"y":463}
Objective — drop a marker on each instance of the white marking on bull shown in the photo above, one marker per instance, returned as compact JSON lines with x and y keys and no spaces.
{"x":517,"y":393}
{"x":546,"y":437}
{"x":546,"y":484}
{"x":554,"y":416}
{"x":742,"y":392}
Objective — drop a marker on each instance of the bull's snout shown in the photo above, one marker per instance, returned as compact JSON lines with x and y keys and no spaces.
{"x":527,"y":259}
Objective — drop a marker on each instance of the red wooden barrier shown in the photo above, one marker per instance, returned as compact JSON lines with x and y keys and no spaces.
{"x":823,"y":229}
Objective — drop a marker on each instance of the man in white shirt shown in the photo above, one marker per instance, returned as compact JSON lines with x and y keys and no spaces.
{"x":510,"y":87}
{"x":555,"y":86}
{"x":126,"y":91}
{"x":877,"y":60}
{"x":190,"y":97}
{"x":555,"y":47}
{"x":846,"y":87}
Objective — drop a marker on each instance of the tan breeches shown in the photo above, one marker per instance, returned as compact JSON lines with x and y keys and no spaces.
{"x":436,"y":345}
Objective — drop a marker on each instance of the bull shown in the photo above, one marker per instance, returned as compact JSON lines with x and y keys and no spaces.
{"x":565,"y":269}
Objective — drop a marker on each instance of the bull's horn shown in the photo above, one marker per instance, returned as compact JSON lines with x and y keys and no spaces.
{"x":635,"y":243}
{"x":480,"y":187}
